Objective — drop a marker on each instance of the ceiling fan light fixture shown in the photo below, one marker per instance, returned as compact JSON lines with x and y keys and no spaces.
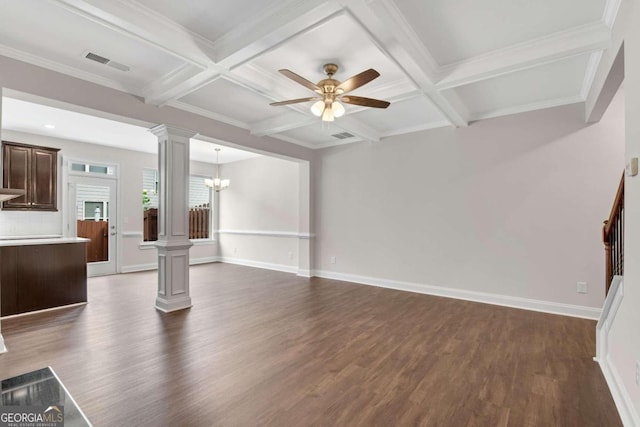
{"x":326,"y":106}
{"x":317,"y":108}
{"x":327,"y":114}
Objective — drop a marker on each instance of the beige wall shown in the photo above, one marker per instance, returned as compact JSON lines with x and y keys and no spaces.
{"x":511,"y":206}
{"x":624,"y":339}
{"x":259,"y":213}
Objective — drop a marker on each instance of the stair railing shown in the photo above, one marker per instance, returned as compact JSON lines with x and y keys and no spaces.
{"x":613,"y":238}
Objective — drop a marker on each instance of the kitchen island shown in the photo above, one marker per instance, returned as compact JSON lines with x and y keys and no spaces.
{"x":37,"y":274}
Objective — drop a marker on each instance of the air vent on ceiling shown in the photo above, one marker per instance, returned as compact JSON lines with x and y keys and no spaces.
{"x":101,"y":59}
{"x":343,"y":135}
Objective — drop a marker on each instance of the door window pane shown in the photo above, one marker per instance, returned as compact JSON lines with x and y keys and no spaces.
{"x":92,"y":215}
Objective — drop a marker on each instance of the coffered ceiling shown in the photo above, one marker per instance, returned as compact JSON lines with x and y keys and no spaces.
{"x":442,"y":63}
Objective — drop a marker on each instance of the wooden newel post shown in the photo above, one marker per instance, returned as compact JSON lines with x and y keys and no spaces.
{"x":607,"y":257}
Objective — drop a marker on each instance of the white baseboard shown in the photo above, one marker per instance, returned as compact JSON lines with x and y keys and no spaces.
{"x":138,"y":267}
{"x":628,"y":415}
{"x":154,"y":265}
{"x":304,"y":273}
{"x":483,"y":297}
{"x":204,"y":260}
{"x":260,"y":264}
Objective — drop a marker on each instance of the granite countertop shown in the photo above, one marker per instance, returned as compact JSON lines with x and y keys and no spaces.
{"x":39,"y":392}
{"x":9,"y":241}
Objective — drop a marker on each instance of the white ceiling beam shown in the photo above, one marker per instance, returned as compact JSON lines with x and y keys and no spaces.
{"x":389,"y":29}
{"x":533,"y":53}
{"x":174,"y":86}
{"x":279,"y":23}
{"x":206,"y":113}
{"x":596,"y":106}
{"x":275,"y":25}
{"x":282,"y":123}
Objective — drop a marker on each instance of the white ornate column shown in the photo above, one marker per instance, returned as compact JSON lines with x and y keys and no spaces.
{"x":305,"y":220}
{"x":173,"y":218}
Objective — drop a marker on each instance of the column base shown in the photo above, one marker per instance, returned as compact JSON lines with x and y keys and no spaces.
{"x":174,"y":304}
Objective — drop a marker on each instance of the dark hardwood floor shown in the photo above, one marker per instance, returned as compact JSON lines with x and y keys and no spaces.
{"x":266,"y":348}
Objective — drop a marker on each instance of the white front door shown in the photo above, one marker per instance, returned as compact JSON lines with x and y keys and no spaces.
{"x":93,"y":214}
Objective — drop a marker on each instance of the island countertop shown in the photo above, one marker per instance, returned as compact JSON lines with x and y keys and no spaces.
{"x":9,"y":241}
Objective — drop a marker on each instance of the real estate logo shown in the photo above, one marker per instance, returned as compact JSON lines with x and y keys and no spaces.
{"x":32,"y":416}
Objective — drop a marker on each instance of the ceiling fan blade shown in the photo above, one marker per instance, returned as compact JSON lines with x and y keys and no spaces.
{"x":358,"y":80}
{"x":294,"y":101}
{"x":365,"y":102}
{"x":301,"y":80}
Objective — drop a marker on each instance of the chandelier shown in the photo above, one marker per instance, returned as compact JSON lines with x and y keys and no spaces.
{"x":217,"y":183}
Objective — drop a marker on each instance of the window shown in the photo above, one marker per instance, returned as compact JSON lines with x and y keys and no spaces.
{"x":92,"y":202}
{"x":200,"y":220}
{"x":84,"y":167}
{"x":97,"y":211}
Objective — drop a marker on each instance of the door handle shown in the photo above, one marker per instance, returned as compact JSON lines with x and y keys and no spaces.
{"x":113,"y":233}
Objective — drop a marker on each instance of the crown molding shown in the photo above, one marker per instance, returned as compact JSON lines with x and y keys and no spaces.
{"x":206,"y":113}
{"x":64,"y":69}
{"x":281,"y":123}
{"x":162,"y":130}
{"x":590,"y":73}
{"x":532,"y":53}
{"x":610,"y":12}
{"x":528,"y":107}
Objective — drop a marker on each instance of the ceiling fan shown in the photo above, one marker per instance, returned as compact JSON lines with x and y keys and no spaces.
{"x":331,"y":91}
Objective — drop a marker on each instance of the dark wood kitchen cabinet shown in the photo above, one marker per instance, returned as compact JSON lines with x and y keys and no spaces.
{"x":33,"y":169}
{"x":37,"y":277}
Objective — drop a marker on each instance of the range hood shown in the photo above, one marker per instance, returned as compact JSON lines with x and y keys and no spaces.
{"x":10,"y":193}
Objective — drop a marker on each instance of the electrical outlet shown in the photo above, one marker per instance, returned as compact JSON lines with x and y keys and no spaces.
{"x":581,"y":287}
{"x":638,"y":372}
{"x":332,"y":260}
{"x":290,"y":255}
{"x":235,"y":250}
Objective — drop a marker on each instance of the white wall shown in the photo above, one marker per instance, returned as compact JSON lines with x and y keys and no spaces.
{"x":511,"y":206}
{"x":624,"y":338}
{"x":259,"y":213}
{"x":131,"y":164}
